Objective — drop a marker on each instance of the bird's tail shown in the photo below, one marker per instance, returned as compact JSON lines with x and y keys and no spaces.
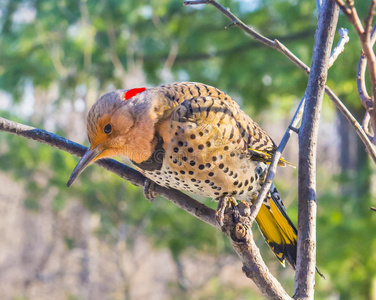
{"x":277,"y":228}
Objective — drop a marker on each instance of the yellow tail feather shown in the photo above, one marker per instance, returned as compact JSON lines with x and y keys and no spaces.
{"x":279,"y":232}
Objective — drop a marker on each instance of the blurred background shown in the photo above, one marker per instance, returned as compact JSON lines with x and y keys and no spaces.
{"x":100,"y":239}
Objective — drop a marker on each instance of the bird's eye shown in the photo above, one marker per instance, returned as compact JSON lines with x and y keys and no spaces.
{"x":107,"y":129}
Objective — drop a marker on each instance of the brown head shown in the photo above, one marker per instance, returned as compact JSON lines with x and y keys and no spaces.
{"x":120,"y":123}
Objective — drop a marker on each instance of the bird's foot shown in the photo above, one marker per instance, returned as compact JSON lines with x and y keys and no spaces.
{"x":222,"y":205}
{"x":149,"y":191}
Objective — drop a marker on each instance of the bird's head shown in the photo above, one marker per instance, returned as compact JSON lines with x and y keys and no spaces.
{"x":120,"y":123}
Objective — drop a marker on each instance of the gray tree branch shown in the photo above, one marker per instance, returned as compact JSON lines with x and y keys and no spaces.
{"x":237,"y":225}
{"x":306,"y":257}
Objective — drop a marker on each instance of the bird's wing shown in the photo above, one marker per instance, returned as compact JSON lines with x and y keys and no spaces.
{"x":213,"y":109}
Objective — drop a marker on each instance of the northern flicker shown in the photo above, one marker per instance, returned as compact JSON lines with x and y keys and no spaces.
{"x":192,"y":137}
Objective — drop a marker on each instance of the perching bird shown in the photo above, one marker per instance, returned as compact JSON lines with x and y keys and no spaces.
{"x":192,"y":137}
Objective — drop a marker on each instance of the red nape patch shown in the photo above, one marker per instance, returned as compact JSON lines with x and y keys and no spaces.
{"x":133,"y":92}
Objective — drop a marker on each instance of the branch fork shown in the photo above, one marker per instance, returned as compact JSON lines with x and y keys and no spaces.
{"x":367,"y":60}
{"x":237,"y":224}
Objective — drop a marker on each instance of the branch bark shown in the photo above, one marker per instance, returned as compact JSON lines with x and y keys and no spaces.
{"x":306,"y":257}
{"x":253,"y":265}
{"x":237,"y":224}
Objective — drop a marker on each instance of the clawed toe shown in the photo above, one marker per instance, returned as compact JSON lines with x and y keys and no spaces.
{"x":223,"y":202}
{"x":149,"y":191}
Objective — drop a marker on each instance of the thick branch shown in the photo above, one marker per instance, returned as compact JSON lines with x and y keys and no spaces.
{"x":237,"y":225}
{"x":306,"y":257}
{"x":248,"y":252}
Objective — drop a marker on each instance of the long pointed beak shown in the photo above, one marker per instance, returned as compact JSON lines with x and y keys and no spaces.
{"x":85,"y":160}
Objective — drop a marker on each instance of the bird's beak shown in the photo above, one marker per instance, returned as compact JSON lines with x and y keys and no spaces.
{"x":89,"y":156}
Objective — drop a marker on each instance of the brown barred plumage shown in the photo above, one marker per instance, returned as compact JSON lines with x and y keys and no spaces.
{"x":193,"y":137}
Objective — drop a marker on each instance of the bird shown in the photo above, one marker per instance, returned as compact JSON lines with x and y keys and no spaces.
{"x":195,"y":138}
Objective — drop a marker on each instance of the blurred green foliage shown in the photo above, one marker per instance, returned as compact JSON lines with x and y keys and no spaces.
{"x":71,"y":43}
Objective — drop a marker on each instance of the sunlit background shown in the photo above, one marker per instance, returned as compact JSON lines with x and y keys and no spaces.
{"x":100,"y":239}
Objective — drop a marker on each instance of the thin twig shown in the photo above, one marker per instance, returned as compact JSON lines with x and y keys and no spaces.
{"x":351,"y":13}
{"x":235,"y":20}
{"x":275,"y":44}
{"x":371,"y":65}
{"x":366,"y":123}
{"x":369,"y":18}
{"x":343,"y":7}
{"x":362,"y":89}
{"x":373,"y":208}
{"x":344,"y":34}
{"x":361,"y":82}
{"x":274,"y":163}
{"x":356,"y":20}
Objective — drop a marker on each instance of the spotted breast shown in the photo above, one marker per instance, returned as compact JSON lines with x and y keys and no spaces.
{"x":208,"y":146}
